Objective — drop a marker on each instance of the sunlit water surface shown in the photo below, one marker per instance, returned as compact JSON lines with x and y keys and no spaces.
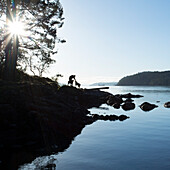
{"x":141,"y":142}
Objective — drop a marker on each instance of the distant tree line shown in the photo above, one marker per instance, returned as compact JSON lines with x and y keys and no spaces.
{"x":146,"y":79}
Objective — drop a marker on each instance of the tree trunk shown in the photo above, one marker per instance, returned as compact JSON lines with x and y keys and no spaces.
{"x":15,"y":40}
{"x":11,"y":50}
{"x":8,"y":48}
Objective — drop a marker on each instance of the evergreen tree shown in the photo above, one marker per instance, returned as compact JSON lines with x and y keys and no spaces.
{"x":31,"y":49}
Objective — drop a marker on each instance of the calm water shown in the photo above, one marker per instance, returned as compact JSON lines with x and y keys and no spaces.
{"x":141,"y":142}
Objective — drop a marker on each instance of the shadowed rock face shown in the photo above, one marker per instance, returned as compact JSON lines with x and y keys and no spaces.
{"x":147,"y":106}
{"x":167,"y":105}
{"x":38,"y":119}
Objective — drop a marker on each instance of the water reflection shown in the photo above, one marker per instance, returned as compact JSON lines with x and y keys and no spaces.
{"x":142,"y":142}
{"x":50,"y":162}
{"x":102,"y":108}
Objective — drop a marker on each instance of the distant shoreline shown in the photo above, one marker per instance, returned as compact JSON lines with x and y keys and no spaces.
{"x":146,"y":79}
{"x":104,"y":84}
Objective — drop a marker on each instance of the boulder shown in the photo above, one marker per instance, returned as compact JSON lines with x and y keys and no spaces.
{"x":116,"y":105}
{"x":114,"y":99}
{"x":128,"y":106}
{"x":147,"y":106}
{"x":167,"y":105}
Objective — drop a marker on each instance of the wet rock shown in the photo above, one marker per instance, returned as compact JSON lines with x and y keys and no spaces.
{"x":128,"y":106}
{"x":129,"y":95}
{"x":147,"y":106}
{"x":116,"y":105}
{"x":167,"y":105}
{"x":114,"y":99}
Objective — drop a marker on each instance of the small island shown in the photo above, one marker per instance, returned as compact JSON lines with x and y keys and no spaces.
{"x":146,"y":79}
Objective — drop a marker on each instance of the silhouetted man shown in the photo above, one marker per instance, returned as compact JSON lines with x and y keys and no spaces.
{"x":72,"y":78}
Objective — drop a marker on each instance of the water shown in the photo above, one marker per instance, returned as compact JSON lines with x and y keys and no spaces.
{"x":141,"y":142}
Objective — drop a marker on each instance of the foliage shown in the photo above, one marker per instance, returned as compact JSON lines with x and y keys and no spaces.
{"x":55,"y":78}
{"x":146,"y":79}
{"x":36,"y":47}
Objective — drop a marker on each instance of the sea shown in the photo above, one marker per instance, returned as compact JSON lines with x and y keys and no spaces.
{"x":140,"y":142}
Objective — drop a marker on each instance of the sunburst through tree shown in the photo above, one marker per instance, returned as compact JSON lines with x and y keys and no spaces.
{"x":29,"y":34}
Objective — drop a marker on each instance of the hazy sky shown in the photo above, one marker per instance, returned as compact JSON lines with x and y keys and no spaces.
{"x":109,"y":39}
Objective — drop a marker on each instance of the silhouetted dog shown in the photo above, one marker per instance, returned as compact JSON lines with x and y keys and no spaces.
{"x":77,"y":84}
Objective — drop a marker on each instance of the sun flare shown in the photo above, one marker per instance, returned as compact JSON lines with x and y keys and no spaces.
{"x":16,"y":28}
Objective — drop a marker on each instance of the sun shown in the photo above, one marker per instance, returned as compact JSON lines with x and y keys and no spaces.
{"x":16,"y":28}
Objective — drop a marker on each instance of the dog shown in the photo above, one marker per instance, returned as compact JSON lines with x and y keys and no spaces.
{"x":77,"y":84}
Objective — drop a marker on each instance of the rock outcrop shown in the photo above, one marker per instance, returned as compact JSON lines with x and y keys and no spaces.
{"x":147,"y":106}
{"x":128,"y":106}
{"x":39,"y":118}
{"x":167,"y":105}
{"x":114,"y":99}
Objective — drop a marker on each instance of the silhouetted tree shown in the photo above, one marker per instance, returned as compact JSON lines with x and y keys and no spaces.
{"x":31,"y":50}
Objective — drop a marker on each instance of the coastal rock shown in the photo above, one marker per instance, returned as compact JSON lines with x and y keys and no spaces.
{"x":109,"y":117}
{"x":31,"y":113}
{"x":129,"y":95}
{"x":147,"y":106}
{"x":116,"y":105}
{"x":114,"y":99}
{"x":128,"y":106}
{"x":167,"y":105}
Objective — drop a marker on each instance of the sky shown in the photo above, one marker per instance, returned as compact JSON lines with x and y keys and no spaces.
{"x":110,"y":39}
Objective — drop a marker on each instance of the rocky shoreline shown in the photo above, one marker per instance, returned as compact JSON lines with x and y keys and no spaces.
{"x":41,"y":119}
